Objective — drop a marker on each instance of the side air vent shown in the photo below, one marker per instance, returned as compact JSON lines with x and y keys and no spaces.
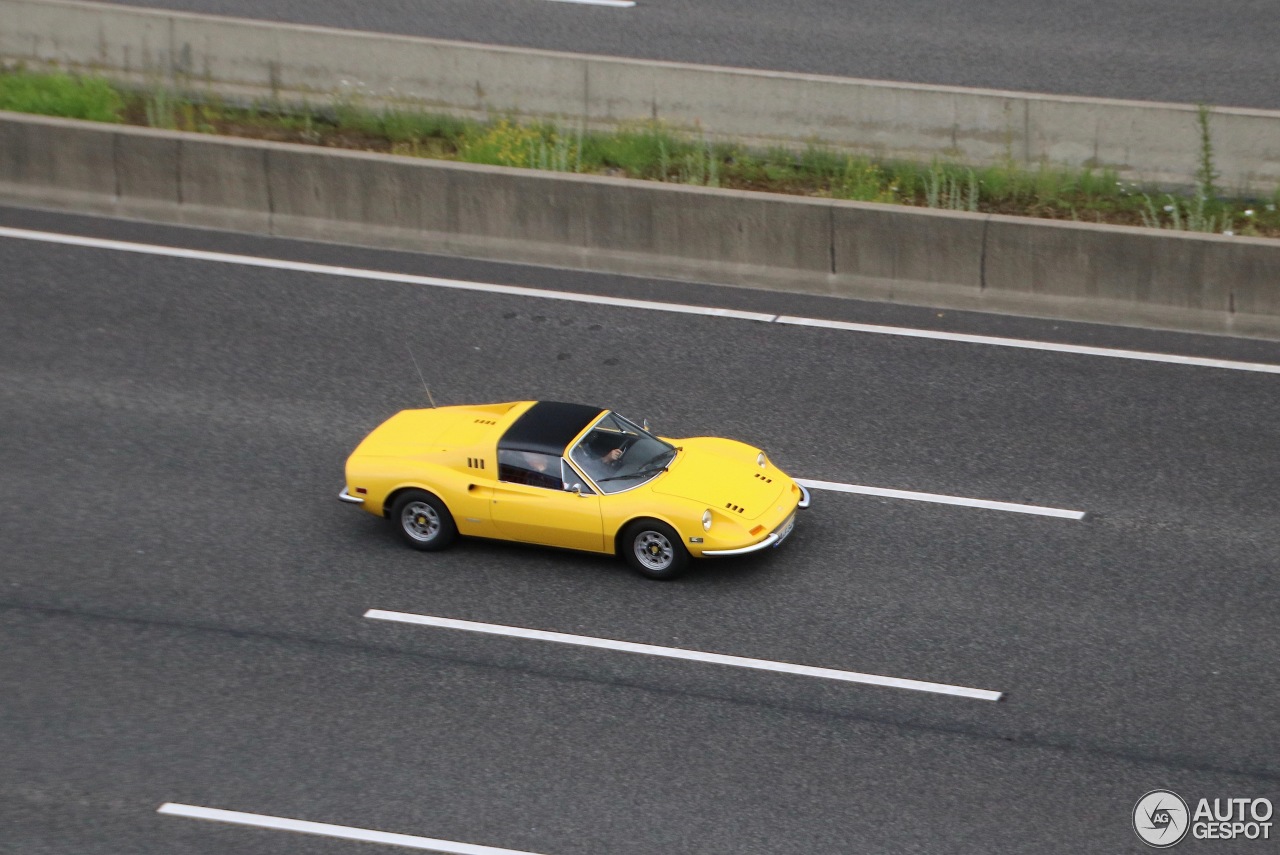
{"x":485,"y":422}
{"x":738,"y":508}
{"x":475,"y":463}
{"x":764,"y":479}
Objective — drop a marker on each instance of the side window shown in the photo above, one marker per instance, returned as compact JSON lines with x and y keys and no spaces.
{"x":527,"y":467}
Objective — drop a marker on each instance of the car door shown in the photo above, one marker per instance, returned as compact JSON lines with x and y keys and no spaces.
{"x":530,"y":504}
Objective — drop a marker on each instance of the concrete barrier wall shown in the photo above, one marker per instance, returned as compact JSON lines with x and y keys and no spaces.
{"x":1143,"y":141}
{"x":914,"y":255}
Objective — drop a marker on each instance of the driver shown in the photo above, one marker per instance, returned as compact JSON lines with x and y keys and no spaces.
{"x":595,"y":464}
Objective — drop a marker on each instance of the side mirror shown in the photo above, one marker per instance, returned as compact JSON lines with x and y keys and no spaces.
{"x":576,"y":489}
{"x":644,"y":423}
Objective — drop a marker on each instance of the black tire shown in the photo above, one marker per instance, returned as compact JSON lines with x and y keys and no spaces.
{"x":423,"y":521}
{"x":654,"y":550}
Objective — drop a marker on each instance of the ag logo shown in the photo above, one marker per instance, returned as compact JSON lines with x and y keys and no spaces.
{"x":1160,"y":818}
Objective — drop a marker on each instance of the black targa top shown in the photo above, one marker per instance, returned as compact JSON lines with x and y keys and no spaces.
{"x":548,"y":427}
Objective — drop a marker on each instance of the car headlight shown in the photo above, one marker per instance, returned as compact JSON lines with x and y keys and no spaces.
{"x":706,"y":520}
{"x":760,"y":460}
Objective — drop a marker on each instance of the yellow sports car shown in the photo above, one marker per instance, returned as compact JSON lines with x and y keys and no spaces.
{"x":572,"y":476}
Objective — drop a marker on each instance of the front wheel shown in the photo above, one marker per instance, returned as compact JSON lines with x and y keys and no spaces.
{"x":423,"y":521}
{"x":653,"y":549}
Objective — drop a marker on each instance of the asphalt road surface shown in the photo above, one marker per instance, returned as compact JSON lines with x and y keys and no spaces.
{"x":183,"y":597}
{"x":1186,"y":51}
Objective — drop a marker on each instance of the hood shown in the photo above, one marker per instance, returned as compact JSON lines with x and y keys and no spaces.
{"x":722,"y":474}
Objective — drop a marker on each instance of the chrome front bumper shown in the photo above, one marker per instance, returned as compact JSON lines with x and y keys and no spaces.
{"x":344,"y":496}
{"x":774,"y":538}
{"x":771,"y":540}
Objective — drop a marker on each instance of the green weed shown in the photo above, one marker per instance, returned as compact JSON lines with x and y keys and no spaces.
{"x":952,"y":188}
{"x":1198,"y":214}
{"x":1206,"y":175}
{"x":60,"y":95}
{"x":161,"y":109}
{"x":641,"y":151}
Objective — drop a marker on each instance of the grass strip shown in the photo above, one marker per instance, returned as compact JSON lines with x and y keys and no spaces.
{"x":653,"y":152}
{"x":62,"y":95}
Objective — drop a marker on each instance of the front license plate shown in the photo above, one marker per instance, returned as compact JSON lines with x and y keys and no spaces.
{"x":785,"y":530}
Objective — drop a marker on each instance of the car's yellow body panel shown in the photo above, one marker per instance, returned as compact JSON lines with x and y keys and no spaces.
{"x":452,"y":452}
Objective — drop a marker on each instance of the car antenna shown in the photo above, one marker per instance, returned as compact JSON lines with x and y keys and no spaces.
{"x":420,"y":377}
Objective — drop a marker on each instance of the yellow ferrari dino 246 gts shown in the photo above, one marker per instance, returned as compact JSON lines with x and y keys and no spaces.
{"x":572,"y":476}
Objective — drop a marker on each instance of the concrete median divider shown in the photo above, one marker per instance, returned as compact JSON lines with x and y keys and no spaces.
{"x":803,"y":245}
{"x":147,"y":176}
{"x":251,"y":59}
{"x":902,"y":253}
{"x":1151,"y":275}
{"x":222,"y":183}
{"x":66,"y":164}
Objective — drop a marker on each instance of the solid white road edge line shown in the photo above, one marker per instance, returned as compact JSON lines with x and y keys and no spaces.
{"x":375,"y":275}
{"x":617,"y":4}
{"x":680,"y":653}
{"x":280,"y":823}
{"x":1012,"y":507}
{"x":1027,"y":344}
{"x":651,"y":305}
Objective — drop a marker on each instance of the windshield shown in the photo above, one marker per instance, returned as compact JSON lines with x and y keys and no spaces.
{"x":618,"y":454}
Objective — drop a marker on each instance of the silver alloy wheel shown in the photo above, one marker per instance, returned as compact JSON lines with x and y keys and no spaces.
{"x":653,"y":550}
{"x":420,"y":521}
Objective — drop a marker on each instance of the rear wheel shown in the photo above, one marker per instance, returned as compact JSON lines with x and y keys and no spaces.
{"x":423,"y":520}
{"x":653,"y":549}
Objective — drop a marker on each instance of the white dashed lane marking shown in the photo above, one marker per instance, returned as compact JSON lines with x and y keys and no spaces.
{"x":988,"y":504}
{"x":616,"y":4}
{"x":324,"y":829}
{"x":680,"y":653}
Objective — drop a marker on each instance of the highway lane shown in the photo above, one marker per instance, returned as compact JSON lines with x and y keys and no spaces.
{"x":175,"y":432}
{"x":1162,"y":50}
{"x":504,"y":756}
